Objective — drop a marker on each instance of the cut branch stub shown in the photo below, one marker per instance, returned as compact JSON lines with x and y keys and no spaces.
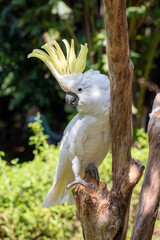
{"x":102,"y":213}
{"x":130,"y":177}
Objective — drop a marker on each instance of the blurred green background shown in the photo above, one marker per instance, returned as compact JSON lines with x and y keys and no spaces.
{"x":24,"y":26}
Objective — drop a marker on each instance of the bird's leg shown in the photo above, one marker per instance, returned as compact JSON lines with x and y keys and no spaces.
{"x":76,"y":167}
{"x":94,"y":171}
{"x":79,"y":180}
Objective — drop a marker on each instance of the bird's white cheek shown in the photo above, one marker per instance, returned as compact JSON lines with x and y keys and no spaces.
{"x":82,"y":103}
{"x":81,"y":108}
{"x":83,"y":100}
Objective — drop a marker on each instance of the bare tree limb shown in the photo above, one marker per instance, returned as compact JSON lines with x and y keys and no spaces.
{"x":104,"y":214}
{"x":120,"y":72}
{"x":147,"y":207}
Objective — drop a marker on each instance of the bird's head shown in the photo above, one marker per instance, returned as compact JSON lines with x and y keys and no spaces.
{"x":89,"y":91}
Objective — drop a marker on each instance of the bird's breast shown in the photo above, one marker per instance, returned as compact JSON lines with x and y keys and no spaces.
{"x":87,"y":138}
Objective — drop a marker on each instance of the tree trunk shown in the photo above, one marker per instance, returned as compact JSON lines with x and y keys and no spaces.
{"x":104,"y":214}
{"x":147,"y":208}
{"x":121,"y":73}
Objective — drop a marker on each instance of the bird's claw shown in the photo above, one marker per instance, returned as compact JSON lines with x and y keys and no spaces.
{"x":92,"y":186}
{"x":70,"y":185}
{"x":93,"y":170}
{"x":82,"y":182}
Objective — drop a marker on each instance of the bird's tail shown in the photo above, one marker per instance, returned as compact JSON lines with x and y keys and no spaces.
{"x":57,"y":194}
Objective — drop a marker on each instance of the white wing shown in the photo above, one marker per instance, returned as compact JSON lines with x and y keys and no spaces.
{"x":64,"y":174}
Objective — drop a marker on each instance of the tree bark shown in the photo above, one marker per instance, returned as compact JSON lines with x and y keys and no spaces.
{"x":104,"y":214}
{"x":147,"y":208}
{"x":120,"y":73}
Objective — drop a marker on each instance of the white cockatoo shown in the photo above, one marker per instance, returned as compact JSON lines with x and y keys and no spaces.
{"x":86,"y":139}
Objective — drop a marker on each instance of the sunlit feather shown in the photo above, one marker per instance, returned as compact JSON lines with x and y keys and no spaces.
{"x":63,"y":65}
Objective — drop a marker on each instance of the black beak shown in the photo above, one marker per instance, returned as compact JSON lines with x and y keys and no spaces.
{"x":72,"y":99}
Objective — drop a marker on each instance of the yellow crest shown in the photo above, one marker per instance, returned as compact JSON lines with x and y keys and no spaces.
{"x":55,"y":56}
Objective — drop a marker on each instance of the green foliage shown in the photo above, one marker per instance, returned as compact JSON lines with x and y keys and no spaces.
{"x":42,"y":150}
{"x":140,"y":138}
{"x":140,"y":10}
{"x":144,"y":37}
{"x":24,"y":186}
{"x":27,"y":25}
{"x":21,"y":193}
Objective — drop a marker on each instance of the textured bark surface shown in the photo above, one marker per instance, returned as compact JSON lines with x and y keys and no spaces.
{"x":104,"y":214}
{"x":120,"y":74}
{"x":147,"y":208}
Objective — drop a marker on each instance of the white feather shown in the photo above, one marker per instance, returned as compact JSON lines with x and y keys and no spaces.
{"x":86,"y":138}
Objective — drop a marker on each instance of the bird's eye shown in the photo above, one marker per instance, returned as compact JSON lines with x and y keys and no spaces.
{"x":79,"y":89}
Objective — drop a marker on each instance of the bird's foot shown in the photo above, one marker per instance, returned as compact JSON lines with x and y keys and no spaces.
{"x":94,"y":171}
{"x":80,"y":181}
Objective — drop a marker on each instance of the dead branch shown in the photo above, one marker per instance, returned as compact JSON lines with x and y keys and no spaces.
{"x":147,"y":207}
{"x":104,"y":214}
{"x":120,"y":72}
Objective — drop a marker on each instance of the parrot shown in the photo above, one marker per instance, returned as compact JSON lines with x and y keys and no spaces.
{"x":87,"y":138}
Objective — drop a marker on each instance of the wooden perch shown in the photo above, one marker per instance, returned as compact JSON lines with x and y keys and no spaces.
{"x":102,"y":213}
{"x":147,"y":207}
